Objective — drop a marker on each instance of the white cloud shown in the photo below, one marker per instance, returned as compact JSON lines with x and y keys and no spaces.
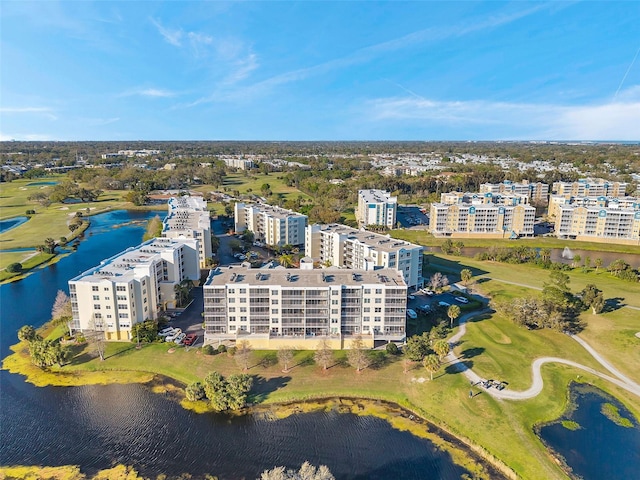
{"x":172,"y":36}
{"x":44,"y":111}
{"x":614,"y":120}
{"x":149,"y":92}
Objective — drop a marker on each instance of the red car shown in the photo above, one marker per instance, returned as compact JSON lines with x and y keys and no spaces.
{"x":190,"y":339}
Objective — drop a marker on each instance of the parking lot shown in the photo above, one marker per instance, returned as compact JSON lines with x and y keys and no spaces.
{"x":409,"y":216}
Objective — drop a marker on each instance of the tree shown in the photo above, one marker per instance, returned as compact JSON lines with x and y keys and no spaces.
{"x":391,"y":348}
{"x":618,"y":266}
{"x":195,"y":392}
{"x":598,"y":263}
{"x":576,"y":260}
{"x":545,"y":254}
{"x":14,"y":267}
{"x":227,"y":394}
{"x":441,"y":347}
{"x":61,"y":310}
{"x":50,"y":245}
{"x":243,"y":354}
{"x":453,"y":312}
{"x":182,"y":291}
{"x":593,"y":298}
{"x":27,"y":334}
{"x":285,"y":356}
{"x":432,"y":364}
{"x":417,"y":347}
{"x":323,"y":356}
{"x":358,"y":356}
{"x":286,"y":260}
{"x":438,"y":281}
{"x":465,"y":276}
{"x":306,"y":472}
{"x":96,"y":337}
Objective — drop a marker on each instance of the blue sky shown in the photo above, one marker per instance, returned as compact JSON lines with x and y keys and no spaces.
{"x":357,"y":70}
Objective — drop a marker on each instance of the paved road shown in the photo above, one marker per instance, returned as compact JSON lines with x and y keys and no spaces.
{"x":537,"y":382}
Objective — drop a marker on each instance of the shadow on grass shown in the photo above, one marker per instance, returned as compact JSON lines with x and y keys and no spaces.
{"x":263,"y":387}
{"x":459,"y":367}
{"x":120,"y":352}
{"x":471,"y":352}
{"x":378,"y":359}
{"x":613,"y":304}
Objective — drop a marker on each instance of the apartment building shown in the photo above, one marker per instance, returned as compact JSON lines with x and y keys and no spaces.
{"x":343,"y":246}
{"x":596,"y":224}
{"x":376,"y":207}
{"x":188,"y":217}
{"x":587,"y":187}
{"x":537,"y":192}
{"x":132,"y":286}
{"x":555,"y":201}
{"x":452,"y":198}
{"x":240,"y":163}
{"x":274,"y":307}
{"x":466,"y":220}
{"x":274,"y":226}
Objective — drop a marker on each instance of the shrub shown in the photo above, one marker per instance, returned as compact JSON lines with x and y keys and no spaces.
{"x":30,"y":212}
{"x":14,"y":268}
{"x":208,"y":350}
{"x":222,"y":348}
{"x":195,"y":392}
{"x":391,"y":348}
{"x":231,"y":351}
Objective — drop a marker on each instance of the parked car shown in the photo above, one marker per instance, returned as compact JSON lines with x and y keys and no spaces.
{"x":166,"y":331}
{"x":411,"y":297}
{"x":444,"y":304}
{"x":180,"y":338}
{"x":428,"y":292}
{"x":172,"y":337}
{"x":242,"y":257}
{"x":411,"y":313}
{"x":190,"y":339}
{"x":461,"y":300}
{"x":424,"y":308}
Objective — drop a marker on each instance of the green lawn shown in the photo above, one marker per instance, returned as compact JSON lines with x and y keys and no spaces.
{"x":254,"y":182}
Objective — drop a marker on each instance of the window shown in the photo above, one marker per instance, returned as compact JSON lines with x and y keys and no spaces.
{"x":368,"y":300}
{"x":232,"y":319}
{"x":108,"y":316}
{"x":367,"y":291}
{"x":121,"y":289}
{"x":367,"y":309}
{"x":123,"y":315}
{"x":232,"y":300}
{"x":96,"y":306}
{"x":232,"y":291}
{"x":122,"y":306}
{"x":122,"y":298}
{"x":334,"y":311}
{"x":334,"y":302}
{"x":274,"y":311}
{"x":243,"y":319}
{"x":274,"y":292}
{"x":97,"y":315}
{"x":106,"y":289}
{"x":274,"y":301}
{"x":366,"y":319}
{"x":378,"y":291}
{"x":243,"y":300}
{"x":232,"y":309}
{"x":378,"y":300}
{"x":334,"y":292}
{"x":378,"y":310}
{"x":243,"y":290}
{"x":108,"y":307}
{"x":243,"y":309}
{"x":94,"y":288}
{"x":96,"y":297}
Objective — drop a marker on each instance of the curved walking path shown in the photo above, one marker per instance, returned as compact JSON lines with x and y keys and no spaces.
{"x":536,"y":386}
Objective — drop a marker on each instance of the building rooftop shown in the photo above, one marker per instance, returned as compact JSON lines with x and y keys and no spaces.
{"x":274,"y":211}
{"x":187,"y":213}
{"x":298,"y":278}
{"x":376,"y":196}
{"x":376,"y":240}
{"x":124,"y":264}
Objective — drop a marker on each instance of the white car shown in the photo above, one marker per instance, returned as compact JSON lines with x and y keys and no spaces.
{"x":461,"y":300}
{"x":180,"y":338}
{"x":428,"y":292}
{"x":444,"y":304}
{"x":166,"y":332}
{"x":173,"y":336}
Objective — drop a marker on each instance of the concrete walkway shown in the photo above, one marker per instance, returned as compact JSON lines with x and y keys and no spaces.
{"x":537,"y":383}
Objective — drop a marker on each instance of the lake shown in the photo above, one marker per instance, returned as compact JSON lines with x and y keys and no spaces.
{"x":97,"y":426}
{"x":598,"y":449}
{"x":10,"y":223}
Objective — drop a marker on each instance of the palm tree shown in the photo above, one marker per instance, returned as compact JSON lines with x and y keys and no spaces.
{"x":545,"y":254}
{"x":597,"y":263}
{"x":432,"y":364}
{"x":453,"y":312}
{"x":441,"y":347}
{"x":285,"y":260}
{"x":465,"y":276}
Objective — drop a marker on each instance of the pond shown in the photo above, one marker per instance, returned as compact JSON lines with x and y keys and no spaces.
{"x":10,"y":223}
{"x":592,"y":444}
{"x":41,"y":184}
{"x":96,"y":426}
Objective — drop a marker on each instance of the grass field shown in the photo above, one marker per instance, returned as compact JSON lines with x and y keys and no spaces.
{"x":421,"y":237}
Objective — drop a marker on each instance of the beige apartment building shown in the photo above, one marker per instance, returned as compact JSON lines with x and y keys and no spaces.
{"x":343,"y":246}
{"x":467,"y":220}
{"x":452,"y":198}
{"x":587,"y":187}
{"x":271,"y":225}
{"x":555,"y":201}
{"x":275,"y":307}
{"x":132,"y":286}
{"x":596,"y":224}
{"x":376,"y":207}
{"x":188,"y":217}
{"x":537,"y":192}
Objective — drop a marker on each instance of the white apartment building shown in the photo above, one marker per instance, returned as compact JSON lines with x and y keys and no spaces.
{"x":452,"y":198}
{"x":132,"y":286}
{"x":555,"y":201}
{"x":597,"y":224}
{"x":537,"y":192}
{"x":467,"y":220}
{"x":274,"y":226}
{"x":586,"y":187}
{"x":240,"y":163}
{"x":343,"y":246}
{"x":188,"y":217}
{"x":272,"y":307}
{"x":376,"y":207}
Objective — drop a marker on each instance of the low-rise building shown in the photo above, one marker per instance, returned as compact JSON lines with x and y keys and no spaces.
{"x":274,"y":307}
{"x":555,"y":201}
{"x":132,"y":286}
{"x":188,"y":217}
{"x":537,"y":192}
{"x":343,"y":246}
{"x":466,"y":220}
{"x":452,"y":198}
{"x":597,"y":224}
{"x":271,"y":225}
{"x":376,"y":207}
